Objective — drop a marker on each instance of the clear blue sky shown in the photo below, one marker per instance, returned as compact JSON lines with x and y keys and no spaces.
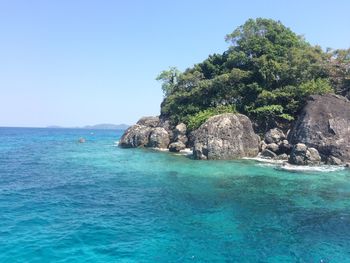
{"x":71,"y":62}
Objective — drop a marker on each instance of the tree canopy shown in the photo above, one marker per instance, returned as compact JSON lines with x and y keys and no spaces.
{"x":267,"y":73}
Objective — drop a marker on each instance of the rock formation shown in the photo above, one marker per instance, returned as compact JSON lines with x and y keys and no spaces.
{"x":145,"y":133}
{"x":302,"y":155}
{"x":324,"y":124}
{"x":225,"y":136}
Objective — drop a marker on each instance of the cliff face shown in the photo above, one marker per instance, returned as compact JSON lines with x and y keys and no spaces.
{"x":324,"y":124}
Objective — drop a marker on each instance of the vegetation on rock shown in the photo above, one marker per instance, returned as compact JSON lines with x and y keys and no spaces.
{"x":267,"y":73}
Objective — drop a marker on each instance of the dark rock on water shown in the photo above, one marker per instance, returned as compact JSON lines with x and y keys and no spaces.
{"x":302,"y":155}
{"x":176,"y":146}
{"x":324,"y":124}
{"x":135,"y":136}
{"x":225,"y":136}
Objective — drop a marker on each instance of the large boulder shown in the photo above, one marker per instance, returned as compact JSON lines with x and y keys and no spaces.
{"x":225,"y":136}
{"x":150,"y":121}
{"x":324,"y":124}
{"x":159,"y":138}
{"x":135,"y":136}
{"x":302,"y":155}
{"x":146,"y":133}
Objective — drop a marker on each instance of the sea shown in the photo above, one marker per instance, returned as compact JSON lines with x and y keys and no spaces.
{"x":65,"y":201}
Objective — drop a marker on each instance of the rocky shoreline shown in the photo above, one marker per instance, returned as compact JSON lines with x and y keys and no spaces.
{"x":320,"y":135}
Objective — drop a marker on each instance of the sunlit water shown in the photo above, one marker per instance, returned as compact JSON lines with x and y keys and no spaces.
{"x":64,"y":201}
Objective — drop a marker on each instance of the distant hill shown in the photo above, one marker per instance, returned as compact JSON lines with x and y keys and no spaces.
{"x":102,"y":126}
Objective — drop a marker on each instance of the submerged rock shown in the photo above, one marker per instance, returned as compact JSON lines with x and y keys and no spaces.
{"x":324,"y":124}
{"x":225,"y":136}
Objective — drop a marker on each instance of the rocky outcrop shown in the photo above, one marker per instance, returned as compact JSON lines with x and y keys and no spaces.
{"x":275,"y":145}
{"x":179,"y":133}
{"x":225,"y":136}
{"x":158,"y":138}
{"x":274,"y":136}
{"x":324,"y":124}
{"x":302,"y":155}
{"x":149,"y":121}
{"x":145,"y":133}
{"x":176,"y":146}
{"x":135,"y":136}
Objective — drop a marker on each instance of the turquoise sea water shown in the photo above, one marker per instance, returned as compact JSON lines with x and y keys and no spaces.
{"x":61,"y":201}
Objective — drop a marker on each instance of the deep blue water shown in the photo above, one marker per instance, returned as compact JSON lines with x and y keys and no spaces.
{"x":61,"y":201}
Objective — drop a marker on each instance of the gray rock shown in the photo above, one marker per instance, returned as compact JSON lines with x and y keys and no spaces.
{"x":225,"y":136}
{"x":150,"y":121}
{"x":302,"y":155}
{"x":334,"y":160}
{"x":268,"y":154}
{"x":176,"y":146}
{"x":313,"y":156}
{"x":159,"y":138}
{"x":325,"y":125}
{"x":273,"y":147}
{"x":179,"y":133}
{"x":135,"y":136}
{"x":274,"y":136}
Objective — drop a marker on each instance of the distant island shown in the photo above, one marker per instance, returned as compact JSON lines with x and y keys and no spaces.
{"x":102,"y":126}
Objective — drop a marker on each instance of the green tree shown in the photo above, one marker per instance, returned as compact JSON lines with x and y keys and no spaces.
{"x":267,"y":73}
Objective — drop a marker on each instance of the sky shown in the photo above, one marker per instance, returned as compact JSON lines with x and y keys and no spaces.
{"x":80,"y":62}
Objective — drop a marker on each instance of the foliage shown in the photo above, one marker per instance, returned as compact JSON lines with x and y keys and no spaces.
{"x":169,"y":79}
{"x":194,"y":121}
{"x":266,"y":73}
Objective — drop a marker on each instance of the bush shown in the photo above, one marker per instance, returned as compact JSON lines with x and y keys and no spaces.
{"x":194,"y":121}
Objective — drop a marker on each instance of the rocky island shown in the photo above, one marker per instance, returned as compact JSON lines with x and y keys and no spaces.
{"x":271,"y":94}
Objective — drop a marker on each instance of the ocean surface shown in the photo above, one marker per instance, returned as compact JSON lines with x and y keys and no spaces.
{"x":64,"y":201}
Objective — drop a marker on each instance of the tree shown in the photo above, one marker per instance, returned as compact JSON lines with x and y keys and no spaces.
{"x":267,"y":73}
{"x":169,"y":80}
